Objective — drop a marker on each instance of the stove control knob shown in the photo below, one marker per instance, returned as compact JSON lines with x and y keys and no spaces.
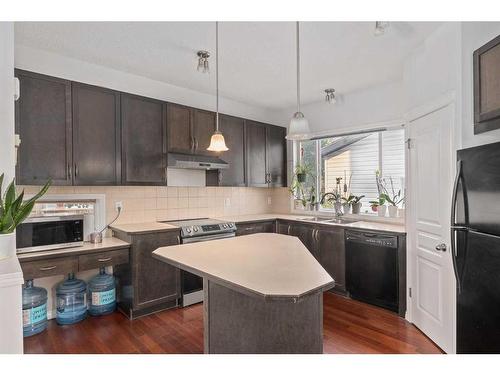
{"x":188,"y":230}
{"x":224,"y":225}
{"x":195,"y":229}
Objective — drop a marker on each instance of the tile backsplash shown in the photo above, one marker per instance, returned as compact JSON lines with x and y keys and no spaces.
{"x":151,"y":203}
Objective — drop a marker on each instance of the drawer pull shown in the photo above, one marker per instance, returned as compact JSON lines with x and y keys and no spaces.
{"x":47,"y":268}
{"x":104,"y":259}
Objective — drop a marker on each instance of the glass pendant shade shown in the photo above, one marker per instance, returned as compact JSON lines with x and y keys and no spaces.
{"x":299,"y":128}
{"x":217,"y":142}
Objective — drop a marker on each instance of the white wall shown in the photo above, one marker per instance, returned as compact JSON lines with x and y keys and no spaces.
{"x":374,"y":106}
{"x":474,"y":35}
{"x":76,"y":70}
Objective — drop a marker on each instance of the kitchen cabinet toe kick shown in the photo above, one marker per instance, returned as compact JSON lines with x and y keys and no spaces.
{"x":237,"y":323}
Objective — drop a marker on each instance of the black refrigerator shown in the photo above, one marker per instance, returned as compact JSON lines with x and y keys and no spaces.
{"x":475,"y":240}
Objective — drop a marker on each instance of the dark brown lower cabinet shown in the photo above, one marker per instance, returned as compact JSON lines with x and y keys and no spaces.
{"x":330,"y":248}
{"x":147,"y":284}
{"x":256,"y":227}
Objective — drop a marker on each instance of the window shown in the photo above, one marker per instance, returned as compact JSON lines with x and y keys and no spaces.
{"x":355,"y":159}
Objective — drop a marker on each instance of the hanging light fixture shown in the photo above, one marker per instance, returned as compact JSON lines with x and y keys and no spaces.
{"x":330,"y":96}
{"x":299,"y":126}
{"x":203,"y":61}
{"x":217,"y":142}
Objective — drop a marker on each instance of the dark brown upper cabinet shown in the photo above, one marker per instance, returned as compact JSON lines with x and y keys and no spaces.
{"x":43,"y":121}
{"x":266,"y":155}
{"x":144,"y":141}
{"x":256,"y":154}
{"x":203,"y":128}
{"x":189,"y":129}
{"x":96,"y":136}
{"x":233,"y":129}
{"x":179,"y":129}
{"x":276,"y":152}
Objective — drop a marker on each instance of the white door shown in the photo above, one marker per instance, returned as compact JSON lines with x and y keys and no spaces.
{"x":430,"y":163}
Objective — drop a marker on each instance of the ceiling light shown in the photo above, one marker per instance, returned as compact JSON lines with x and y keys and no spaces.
{"x":380,"y":27}
{"x":217,"y":142}
{"x":203,"y":61}
{"x":299,"y":126}
{"x":330,"y":96}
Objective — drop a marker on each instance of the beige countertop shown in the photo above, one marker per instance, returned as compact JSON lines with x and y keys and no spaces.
{"x":163,"y":227}
{"x":144,"y":227}
{"x":106,"y":244}
{"x":265,"y":264}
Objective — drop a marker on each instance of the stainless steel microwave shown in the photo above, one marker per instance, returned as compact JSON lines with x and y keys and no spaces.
{"x":49,"y":232}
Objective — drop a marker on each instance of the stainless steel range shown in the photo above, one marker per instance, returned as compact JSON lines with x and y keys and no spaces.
{"x":198,"y":230}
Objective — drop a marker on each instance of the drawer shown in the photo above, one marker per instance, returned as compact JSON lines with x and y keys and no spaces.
{"x":104,"y":259}
{"x":250,"y":228}
{"x":49,"y":267}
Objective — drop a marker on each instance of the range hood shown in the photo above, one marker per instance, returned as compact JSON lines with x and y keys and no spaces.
{"x":185,"y":161}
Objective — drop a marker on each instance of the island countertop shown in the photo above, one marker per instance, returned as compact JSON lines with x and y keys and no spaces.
{"x":269,"y":265}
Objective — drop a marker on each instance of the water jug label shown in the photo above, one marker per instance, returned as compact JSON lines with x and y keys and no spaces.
{"x":103,"y":298}
{"x":34,"y":315}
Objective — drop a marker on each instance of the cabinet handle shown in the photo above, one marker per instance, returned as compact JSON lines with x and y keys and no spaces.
{"x":165,"y":175}
{"x":196,"y":144}
{"x":178,"y":240}
{"x":76,"y":170}
{"x":191,"y":143}
{"x":69,"y":171}
{"x":288,"y":231}
{"x":47,"y":268}
{"x":104,"y":259}
{"x":219,"y":177}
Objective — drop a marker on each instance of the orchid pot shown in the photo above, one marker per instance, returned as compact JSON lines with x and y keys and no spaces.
{"x":393,"y":211}
{"x":382,"y":210}
{"x":356,"y":208}
{"x":346,"y":208}
{"x":7,"y":245}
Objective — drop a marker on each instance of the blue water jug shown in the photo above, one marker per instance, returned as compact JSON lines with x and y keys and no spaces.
{"x":102,"y":294}
{"x":71,"y":297}
{"x":34,"y":309}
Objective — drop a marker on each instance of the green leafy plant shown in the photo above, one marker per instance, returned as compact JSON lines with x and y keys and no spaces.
{"x":13,"y":210}
{"x":389,"y":193}
{"x":349,"y":199}
{"x":356,"y":198}
{"x":379,"y":202}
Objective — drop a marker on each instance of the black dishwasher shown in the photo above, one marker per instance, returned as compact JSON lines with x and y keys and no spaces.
{"x":372,"y":268}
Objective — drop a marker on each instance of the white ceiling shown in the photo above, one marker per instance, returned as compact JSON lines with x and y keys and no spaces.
{"x":257,"y":59}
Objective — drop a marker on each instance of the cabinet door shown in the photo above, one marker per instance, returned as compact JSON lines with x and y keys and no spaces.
{"x":179,"y":129}
{"x":96,"y":135}
{"x":143,"y":141}
{"x":155,"y":282}
{"x":283,"y":228}
{"x":203,"y":128}
{"x":276,"y":152}
{"x":233,"y":130}
{"x":43,"y":121}
{"x":331,"y":249}
{"x":256,"y":154}
{"x":306,"y":234}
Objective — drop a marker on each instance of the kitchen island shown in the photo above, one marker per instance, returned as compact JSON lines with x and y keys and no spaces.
{"x":262,"y":293}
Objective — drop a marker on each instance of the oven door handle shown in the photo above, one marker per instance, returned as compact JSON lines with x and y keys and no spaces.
{"x":208,"y":238}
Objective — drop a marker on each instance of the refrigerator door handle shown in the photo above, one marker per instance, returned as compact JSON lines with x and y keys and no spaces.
{"x":455,"y":191}
{"x":454,"y":258}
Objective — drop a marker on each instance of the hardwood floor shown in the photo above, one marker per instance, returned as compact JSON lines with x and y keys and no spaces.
{"x":349,"y":327}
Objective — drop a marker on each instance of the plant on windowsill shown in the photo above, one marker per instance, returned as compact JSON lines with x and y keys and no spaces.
{"x":356,"y":203}
{"x":378,"y":206}
{"x":13,"y":211}
{"x":393,"y":198}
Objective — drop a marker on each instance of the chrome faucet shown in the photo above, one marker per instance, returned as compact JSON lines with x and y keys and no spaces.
{"x":336,"y":205}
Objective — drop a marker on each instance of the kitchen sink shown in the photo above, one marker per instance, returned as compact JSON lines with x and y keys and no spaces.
{"x":341,"y":220}
{"x":316,"y":219}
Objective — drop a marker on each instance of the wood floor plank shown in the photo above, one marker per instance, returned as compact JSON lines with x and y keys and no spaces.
{"x":349,"y":327}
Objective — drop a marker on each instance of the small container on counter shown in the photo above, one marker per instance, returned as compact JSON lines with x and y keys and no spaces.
{"x":34,"y":309}
{"x":71,"y":297}
{"x":102,"y":294}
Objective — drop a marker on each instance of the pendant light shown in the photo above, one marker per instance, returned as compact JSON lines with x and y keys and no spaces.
{"x":299,"y":126}
{"x":217,"y":142}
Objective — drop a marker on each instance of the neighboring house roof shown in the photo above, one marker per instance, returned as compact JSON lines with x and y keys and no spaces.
{"x":340,"y":145}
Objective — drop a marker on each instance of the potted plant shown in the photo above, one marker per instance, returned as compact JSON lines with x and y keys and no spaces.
{"x":346,"y":206}
{"x":378,"y":206}
{"x":302,"y":171}
{"x":13,"y":211}
{"x":393,"y":198}
{"x":356,"y":203}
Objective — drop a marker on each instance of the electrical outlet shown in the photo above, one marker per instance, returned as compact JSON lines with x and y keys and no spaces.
{"x":269,"y":201}
{"x":227,"y":202}
{"x":118,"y":205}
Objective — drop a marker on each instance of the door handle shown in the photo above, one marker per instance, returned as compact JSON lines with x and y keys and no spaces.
{"x":165,"y":175}
{"x":288,"y":231}
{"x":104,"y":259}
{"x":76,"y":170}
{"x":47,"y":268}
{"x":69,"y":171}
{"x":441,"y":247}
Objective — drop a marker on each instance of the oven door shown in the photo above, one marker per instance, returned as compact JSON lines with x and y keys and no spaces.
{"x":192,"y":285}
